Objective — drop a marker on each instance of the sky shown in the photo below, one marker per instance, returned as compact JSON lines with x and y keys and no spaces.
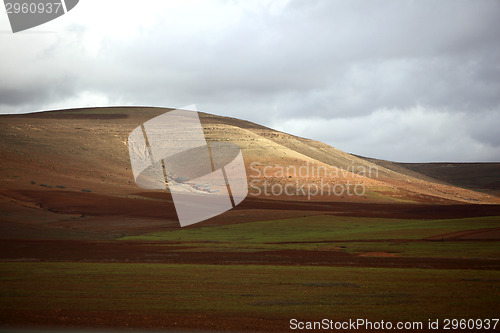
{"x":407,"y":81}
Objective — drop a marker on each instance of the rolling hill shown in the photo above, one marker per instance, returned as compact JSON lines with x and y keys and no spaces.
{"x":67,"y":173}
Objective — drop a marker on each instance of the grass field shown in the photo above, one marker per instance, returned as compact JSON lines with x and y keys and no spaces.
{"x":251,"y":290}
{"x":236,"y":294}
{"x":326,"y":227}
{"x":351,"y":234}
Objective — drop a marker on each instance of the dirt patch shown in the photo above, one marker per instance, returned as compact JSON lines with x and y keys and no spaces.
{"x":378,"y":254}
{"x":171,"y":252}
{"x":101,"y":216}
{"x":78,"y":319}
{"x":478,"y":234}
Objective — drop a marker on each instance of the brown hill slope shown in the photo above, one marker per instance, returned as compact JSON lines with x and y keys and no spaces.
{"x":63,"y":167}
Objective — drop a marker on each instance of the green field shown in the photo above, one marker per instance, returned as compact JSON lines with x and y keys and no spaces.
{"x":251,"y":290}
{"x":325,"y":227}
{"x":401,"y":237}
{"x":166,"y":295}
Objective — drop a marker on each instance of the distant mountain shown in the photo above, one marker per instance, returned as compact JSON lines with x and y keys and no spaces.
{"x":482,"y":177}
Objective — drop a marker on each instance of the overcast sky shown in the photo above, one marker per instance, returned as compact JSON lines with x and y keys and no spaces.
{"x":412,"y":81}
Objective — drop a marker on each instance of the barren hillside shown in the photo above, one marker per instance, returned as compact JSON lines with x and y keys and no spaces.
{"x":64,"y":166}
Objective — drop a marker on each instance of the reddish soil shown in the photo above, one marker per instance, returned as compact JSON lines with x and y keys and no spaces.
{"x":379,"y":254}
{"x":479,"y":234}
{"x":383,"y":210}
{"x":59,"y":213}
{"x":49,"y":213}
{"x":75,"y":319}
{"x":128,"y":251}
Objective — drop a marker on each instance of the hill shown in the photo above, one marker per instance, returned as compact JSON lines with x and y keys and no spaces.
{"x":67,"y":173}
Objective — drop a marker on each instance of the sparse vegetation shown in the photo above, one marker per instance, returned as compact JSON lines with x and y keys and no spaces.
{"x":145,"y":277}
{"x":323,"y":228}
{"x":278,"y":292}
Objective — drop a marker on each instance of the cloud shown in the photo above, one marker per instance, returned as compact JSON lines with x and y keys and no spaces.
{"x":277,"y":62}
{"x":416,"y":134}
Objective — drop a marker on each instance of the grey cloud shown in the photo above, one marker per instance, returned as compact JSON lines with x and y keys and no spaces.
{"x":328,"y":60}
{"x":418,"y":134}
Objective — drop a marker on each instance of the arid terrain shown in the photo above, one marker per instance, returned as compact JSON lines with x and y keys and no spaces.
{"x":82,"y":246}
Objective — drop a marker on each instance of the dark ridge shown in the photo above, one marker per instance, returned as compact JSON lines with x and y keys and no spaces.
{"x":96,"y":116}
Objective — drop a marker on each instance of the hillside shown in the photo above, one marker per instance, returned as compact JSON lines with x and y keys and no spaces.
{"x":482,"y":177}
{"x":64,"y":166}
